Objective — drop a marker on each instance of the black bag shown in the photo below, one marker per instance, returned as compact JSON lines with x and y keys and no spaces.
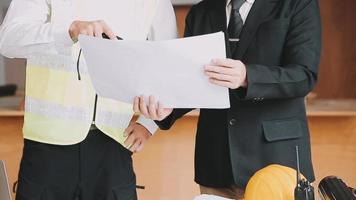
{"x":334,"y":188}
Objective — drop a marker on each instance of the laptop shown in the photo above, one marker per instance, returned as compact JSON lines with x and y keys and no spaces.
{"x":4,"y":183}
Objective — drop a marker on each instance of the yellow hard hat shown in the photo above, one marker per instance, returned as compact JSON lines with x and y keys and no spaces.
{"x":274,"y":182}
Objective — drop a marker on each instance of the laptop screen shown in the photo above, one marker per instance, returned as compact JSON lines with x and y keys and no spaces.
{"x":4,"y":183}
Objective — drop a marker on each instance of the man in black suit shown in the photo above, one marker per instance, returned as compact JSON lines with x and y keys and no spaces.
{"x":274,"y":50}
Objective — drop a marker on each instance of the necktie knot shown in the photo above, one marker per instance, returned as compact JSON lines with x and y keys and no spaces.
{"x":236,"y":4}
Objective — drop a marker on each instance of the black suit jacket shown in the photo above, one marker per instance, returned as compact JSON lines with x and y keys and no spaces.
{"x":280,"y":44}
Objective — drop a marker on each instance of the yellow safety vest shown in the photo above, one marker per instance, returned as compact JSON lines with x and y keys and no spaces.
{"x":59,"y":108}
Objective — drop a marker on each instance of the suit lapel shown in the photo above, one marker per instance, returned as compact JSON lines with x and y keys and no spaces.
{"x":217,"y":18}
{"x":258,"y":14}
{"x":217,"y":15}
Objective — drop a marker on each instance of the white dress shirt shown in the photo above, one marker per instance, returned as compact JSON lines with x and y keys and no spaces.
{"x":112,"y":12}
{"x":244,"y":10}
{"x":39,"y":28}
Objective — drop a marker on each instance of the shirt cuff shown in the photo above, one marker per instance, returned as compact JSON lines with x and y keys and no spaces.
{"x":150,"y":125}
{"x":61,"y":33}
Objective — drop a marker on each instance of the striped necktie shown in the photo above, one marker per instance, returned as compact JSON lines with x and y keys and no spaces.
{"x":235,"y":24}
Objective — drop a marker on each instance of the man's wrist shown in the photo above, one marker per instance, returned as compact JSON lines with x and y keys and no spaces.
{"x":150,"y":125}
{"x":244,"y":78}
{"x":244,"y":83}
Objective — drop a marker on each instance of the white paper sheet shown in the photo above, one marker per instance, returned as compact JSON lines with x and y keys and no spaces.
{"x":172,"y":71}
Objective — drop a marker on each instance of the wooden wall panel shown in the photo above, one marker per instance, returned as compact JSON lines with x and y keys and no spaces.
{"x":181,"y":13}
{"x":337,"y":77}
{"x":338,"y":63}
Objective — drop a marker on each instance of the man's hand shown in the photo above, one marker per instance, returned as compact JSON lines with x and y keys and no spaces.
{"x":90,"y":28}
{"x":227,"y":73}
{"x":154,"y":110}
{"x":137,"y":135}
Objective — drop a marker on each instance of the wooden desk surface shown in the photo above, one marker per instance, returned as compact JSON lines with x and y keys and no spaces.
{"x":345,"y":107}
{"x":8,"y":112}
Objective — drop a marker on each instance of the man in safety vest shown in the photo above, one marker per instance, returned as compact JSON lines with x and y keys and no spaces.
{"x":77,"y":145}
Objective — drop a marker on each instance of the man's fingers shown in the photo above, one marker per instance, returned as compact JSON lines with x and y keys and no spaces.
{"x":83,"y":32}
{"x":128,"y":130}
{"x":135,"y":145}
{"x":163,"y":112}
{"x":136,"y":107}
{"x":109,"y":32}
{"x":160,"y":111}
{"x":87,"y":30}
{"x":130,"y":140}
{"x":224,"y":62}
{"x":152,"y":107}
{"x":143,"y":107}
{"x":221,"y":77}
{"x":106,"y":29}
{"x":221,"y":83}
{"x":98,"y":31}
{"x":219,"y":69}
{"x":140,"y":147}
{"x":138,"y":136}
{"x":90,"y":30}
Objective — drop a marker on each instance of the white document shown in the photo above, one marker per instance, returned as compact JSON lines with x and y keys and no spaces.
{"x":172,"y":71}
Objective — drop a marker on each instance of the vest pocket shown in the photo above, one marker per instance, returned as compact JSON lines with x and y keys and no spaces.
{"x":282,"y":129}
{"x":28,"y":190}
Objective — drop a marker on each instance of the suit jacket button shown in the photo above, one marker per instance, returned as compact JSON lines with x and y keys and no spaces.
{"x":232,"y":122}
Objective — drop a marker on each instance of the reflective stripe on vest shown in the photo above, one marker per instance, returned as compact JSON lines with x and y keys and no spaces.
{"x":53,"y":110}
{"x":59,"y":108}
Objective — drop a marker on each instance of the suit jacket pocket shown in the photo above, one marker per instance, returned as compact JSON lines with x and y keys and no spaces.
{"x":28,"y":190}
{"x":125,"y":192}
{"x":282,"y":130}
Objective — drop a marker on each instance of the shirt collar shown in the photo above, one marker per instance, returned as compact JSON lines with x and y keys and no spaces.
{"x":248,"y":1}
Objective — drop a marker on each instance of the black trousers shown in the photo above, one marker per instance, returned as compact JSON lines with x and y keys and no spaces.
{"x":96,"y":169}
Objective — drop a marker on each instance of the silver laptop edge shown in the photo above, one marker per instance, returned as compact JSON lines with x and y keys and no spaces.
{"x":4,"y":183}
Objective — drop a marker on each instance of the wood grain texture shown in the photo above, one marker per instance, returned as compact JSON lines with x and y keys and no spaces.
{"x":181,"y":13}
{"x":337,"y":69}
{"x":166,"y":165}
